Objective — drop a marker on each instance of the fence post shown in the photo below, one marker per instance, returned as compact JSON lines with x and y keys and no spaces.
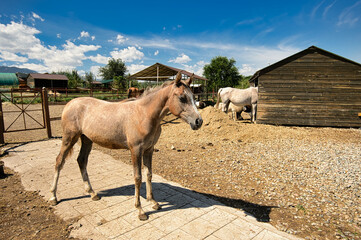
{"x":2,"y":127}
{"x":12,"y":97}
{"x":45,"y":103}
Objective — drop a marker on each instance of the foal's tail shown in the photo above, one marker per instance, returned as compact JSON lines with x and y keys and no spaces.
{"x":218,"y":96}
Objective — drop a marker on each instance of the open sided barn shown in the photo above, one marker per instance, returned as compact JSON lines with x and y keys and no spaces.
{"x":38,"y":80}
{"x":313,"y":87}
{"x":159,"y":72}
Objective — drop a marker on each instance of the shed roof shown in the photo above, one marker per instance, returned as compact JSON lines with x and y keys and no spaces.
{"x":48,"y":76}
{"x":106,"y":81}
{"x":309,"y":50}
{"x":161,"y":72}
{"x":8,"y":79}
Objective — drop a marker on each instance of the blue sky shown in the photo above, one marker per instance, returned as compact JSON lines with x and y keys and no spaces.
{"x":60,"y":35}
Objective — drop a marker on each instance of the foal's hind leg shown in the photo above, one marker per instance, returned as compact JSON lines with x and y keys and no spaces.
{"x":68,"y":142}
{"x":86,"y":146}
{"x":147,"y":161}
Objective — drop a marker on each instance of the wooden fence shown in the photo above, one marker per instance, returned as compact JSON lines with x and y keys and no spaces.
{"x":23,"y":111}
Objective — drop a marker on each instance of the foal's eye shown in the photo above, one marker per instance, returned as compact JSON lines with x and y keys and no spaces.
{"x":183,"y":99}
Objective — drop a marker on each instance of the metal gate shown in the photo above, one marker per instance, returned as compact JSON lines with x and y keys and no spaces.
{"x":22,"y":110}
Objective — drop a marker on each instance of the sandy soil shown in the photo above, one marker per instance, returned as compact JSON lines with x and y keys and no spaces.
{"x":305,"y":181}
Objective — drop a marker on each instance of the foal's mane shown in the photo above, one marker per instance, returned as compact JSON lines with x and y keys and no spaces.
{"x":153,"y":90}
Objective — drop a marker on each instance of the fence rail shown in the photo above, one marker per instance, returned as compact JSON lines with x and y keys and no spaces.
{"x":66,"y":94}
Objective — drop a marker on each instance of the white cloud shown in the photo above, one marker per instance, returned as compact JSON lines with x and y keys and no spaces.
{"x":81,"y":73}
{"x":8,"y":56}
{"x":70,"y":56}
{"x":18,"y":38}
{"x":196,"y":68}
{"x":314,"y":10}
{"x":33,"y":66}
{"x":249,"y":21}
{"x":327,"y":8}
{"x":181,"y":59}
{"x":36,"y":16}
{"x":156,"y":53}
{"x":134,"y":68}
{"x":84,"y":34}
{"x":128,"y":54}
{"x":95,"y":70}
{"x":99,"y":59}
{"x":347,"y":16}
{"x":155,"y":42}
{"x":246,"y":70}
{"x":257,"y":56}
{"x":121,"y":39}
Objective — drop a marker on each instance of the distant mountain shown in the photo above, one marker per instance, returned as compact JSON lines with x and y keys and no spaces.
{"x":4,"y":69}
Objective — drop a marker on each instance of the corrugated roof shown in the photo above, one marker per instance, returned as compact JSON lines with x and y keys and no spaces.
{"x":8,"y":79}
{"x":291,"y":58}
{"x":164,"y":72}
{"x":48,"y":76}
{"x":106,"y":81}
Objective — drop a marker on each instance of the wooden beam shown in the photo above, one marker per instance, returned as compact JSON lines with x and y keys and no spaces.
{"x":157,"y":77}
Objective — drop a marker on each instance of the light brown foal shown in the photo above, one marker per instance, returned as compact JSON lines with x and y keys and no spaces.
{"x":133,"y":125}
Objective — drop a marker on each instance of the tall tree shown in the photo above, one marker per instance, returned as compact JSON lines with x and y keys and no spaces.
{"x":73,"y":76}
{"x":114,"y":68}
{"x":221,"y":72}
{"x":119,"y":82}
{"x":89,"y":79}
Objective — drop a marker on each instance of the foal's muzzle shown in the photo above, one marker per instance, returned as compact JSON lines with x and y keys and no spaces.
{"x":197,"y":123}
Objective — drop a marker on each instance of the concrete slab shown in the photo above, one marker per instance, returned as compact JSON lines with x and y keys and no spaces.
{"x":184,"y":214}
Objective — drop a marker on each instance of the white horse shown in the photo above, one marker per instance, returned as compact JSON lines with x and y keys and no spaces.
{"x":240,"y":98}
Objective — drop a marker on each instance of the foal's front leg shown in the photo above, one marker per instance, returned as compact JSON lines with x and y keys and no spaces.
{"x":147,"y":160}
{"x":137,"y":171}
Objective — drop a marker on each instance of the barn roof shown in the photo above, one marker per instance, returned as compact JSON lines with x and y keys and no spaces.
{"x":8,"y":79}
{"x":309,"y":50}
{"x":161,"y":72}
{"x":48,"y":76}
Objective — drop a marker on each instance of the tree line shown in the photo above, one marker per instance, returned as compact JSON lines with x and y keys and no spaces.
{"x":221,"y":72}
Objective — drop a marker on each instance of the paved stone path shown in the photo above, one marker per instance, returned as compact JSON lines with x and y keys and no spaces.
{"x":184,"y":214}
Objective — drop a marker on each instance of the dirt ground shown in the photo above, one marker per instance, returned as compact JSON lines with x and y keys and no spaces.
{"x":305,"y":181}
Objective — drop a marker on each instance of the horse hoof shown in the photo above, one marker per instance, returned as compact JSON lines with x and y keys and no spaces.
{"x":143,"y":217}
{"x":53,"y":201}
{"x":95,"y":198}
{"x":156,"y":207}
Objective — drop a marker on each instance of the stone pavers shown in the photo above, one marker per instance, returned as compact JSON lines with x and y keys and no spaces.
{"x":184,"y":214}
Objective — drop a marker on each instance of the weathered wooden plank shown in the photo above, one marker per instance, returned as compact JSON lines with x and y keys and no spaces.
{"x":309,"y":122}
{"x":283,"y":78}
{"x":310,"y":87}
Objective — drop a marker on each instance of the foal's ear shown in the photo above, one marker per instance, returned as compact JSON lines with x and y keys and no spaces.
{"x":189,"y":80}
{"x":178,"y":78}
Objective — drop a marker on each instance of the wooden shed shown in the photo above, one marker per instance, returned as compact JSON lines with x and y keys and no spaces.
{"x":311,"y":88}
{"x":38,"y":80}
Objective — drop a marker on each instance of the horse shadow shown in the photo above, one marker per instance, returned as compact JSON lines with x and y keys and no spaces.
{"x":174,"y":197}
